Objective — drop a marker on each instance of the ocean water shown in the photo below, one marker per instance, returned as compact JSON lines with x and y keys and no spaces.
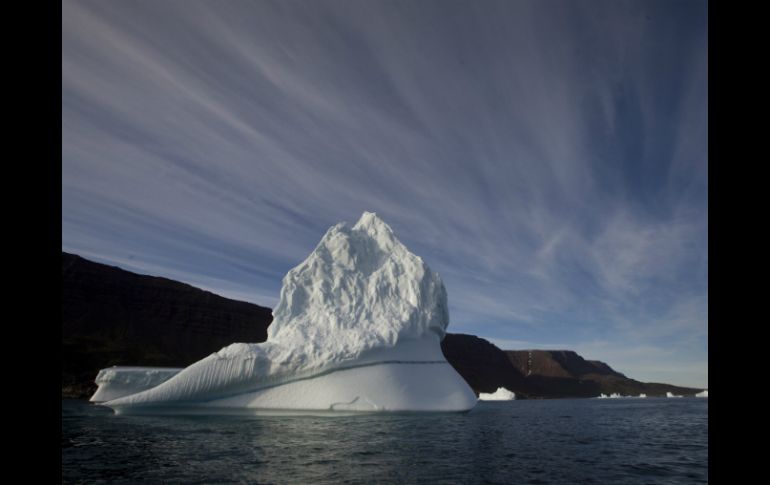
{"x":564,"y":441}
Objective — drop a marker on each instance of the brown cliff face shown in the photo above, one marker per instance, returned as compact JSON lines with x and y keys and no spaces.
{"x":114,"y":317}
{"x":557,"y":363}
{"x":564,"y":373}
{"x":484,"y":366}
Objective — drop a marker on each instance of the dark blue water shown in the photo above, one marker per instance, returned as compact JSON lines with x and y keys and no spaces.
{"x":570,"y":441}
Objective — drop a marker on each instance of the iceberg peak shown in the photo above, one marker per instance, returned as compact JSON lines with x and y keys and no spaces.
{"x":362,"y":285}
{"x":370,"y":220}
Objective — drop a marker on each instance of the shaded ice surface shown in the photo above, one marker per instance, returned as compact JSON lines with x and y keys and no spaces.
{"x":118,"y":381}
{"x":501,"y":394}
{"x":704,"y":393}
{"x":358,"y":328}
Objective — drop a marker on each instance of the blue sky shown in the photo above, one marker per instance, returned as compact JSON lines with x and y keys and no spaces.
{"x":548,"y":158}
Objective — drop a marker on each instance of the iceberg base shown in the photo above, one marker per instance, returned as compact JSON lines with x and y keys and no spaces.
{"x":372,"y":387}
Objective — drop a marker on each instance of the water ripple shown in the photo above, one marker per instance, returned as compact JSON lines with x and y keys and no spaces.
{"x":540,"y":442}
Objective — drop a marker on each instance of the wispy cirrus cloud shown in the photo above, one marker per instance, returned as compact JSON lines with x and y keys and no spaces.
{"x":548,"y":159}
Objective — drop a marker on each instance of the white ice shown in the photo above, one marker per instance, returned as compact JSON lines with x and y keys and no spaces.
{"x":616,"y":395}
{"x":704,"y":393}
{"x":669,"y":394}
{"x":114,"y":382}
{"x":501,"y":394}
{"x":358,"y":328}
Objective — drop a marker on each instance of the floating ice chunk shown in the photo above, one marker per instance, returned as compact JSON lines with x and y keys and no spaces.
{"x":704,"y":393}
{"x":669,"y":394}
{"x":642,"y":395}
{"x":616,"y":395}
{"x":114,"y":382}
{"x":357,"y":327}
{"x":501,"y":394}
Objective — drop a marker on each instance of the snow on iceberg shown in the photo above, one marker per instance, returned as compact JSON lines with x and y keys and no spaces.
{"x":117,"y":381}
{"x":501,"y":394}
{"x":358,"y":328}
{"x":704,"y":393}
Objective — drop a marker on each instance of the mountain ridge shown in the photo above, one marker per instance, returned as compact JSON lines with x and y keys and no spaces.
{"x":111,"y":316}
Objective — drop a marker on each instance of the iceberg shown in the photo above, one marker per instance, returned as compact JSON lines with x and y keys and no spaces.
{"x":357,"y":327}
{"x":704,"y":393}
{"x":501,"y":394}
{"x":616,"y":395}
{"x":669,"y":394}
{"x":119,"y":381}
{"x":642,"y":395}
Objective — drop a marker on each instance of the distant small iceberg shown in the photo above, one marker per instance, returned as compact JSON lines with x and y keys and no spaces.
{"x":668,"y":394}
{"x":501,"y":394}
{"x":705,"y":393}
{"x":616,"y":395}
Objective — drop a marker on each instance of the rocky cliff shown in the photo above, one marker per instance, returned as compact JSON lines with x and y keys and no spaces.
{"x":564,"y":373}
{"x":114,"y":317}
{"x":484,"y":366}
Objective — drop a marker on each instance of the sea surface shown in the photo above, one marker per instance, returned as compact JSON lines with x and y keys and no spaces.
{"x":565,"y":441}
